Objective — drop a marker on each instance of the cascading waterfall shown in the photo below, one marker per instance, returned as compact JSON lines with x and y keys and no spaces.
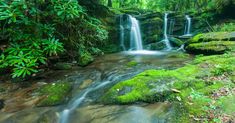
{"x":166,"y":40}
{"x":136,"y":39}
{"x":172,"y":24}
{"x":122,"y":34}
{"x":187,"y":31}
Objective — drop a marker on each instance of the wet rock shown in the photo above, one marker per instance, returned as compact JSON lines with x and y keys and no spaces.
{"x":156,"y":85}
{"x":54,"y":93}
{"x":124,"y":90}
{"x":132,"y":63}
{"x":1,"y":104}
{"x":85,"y":83}
{"x":156,"y":46}
{"x":176,"y":42}
{"x":63,"y":66}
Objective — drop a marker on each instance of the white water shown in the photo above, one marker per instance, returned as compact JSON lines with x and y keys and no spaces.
{"x":187,"y":31}
{"x":172,"y":23}
{"x":136,"y":39}
{"x":144,"y":52}
{"x":166,"y":40}
{"x":122,"y":31}
{"x":64,"y":115}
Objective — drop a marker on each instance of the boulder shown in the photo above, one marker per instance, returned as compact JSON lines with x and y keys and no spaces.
{"x":211,"y":43}
{"x":176,"y":42}
{"x":213,"y":36}
{"x":1,"y":104}
{"x":63,"y":66}
{"x":53,"y":94}
{"x":210,"y":48}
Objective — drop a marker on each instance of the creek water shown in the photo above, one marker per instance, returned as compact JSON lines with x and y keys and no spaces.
{"x":91,"y":82}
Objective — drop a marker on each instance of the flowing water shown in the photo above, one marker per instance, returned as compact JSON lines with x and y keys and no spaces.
{"x":187,"y":31}
{"x":122,"y":34}
{"x":96,"y":79}
{"x":172,"y":24}
{"x":136,"y":38}
{"x":166,"y":39}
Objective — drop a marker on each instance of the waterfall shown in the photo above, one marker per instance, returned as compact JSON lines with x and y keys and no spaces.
{"x":187,"y":31}
{"x":122,"y":34}
{"x":166,"y":40}
{"x":135,"y":38}
{"x":172,"y":24}
{"x":127,"y":22}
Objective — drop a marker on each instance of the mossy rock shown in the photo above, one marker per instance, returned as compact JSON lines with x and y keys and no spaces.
{"x":149,"y":15}
{"x":132,"y":63}
{"x":213,"y":36}
{"x":130,"y":11}
{"x":54,"y":93}
{"x":152,"y":21}
{"x":188,"y":85}
{"x":151,"y":39}
{"x":155,"y":46}
{"x":212,"y":47}
{"x":85,"y":59}
{"x":62,"y":66}
{"x":176,"y":42}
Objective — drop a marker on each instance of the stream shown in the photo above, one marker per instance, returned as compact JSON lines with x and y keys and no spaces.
{"x":91,"y":82}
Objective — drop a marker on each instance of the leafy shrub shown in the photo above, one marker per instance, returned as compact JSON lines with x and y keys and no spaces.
{"x":226,"y":27}
{"x":35,"y":30}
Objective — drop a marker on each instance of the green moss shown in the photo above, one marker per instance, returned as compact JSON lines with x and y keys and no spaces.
{"x":196,"y":38}
{"x":213,"y":47}
{"x":213,"y":36}
{"x":132,"y":63}
{"x":155,"y":20}
{"x":192,"y":82}
{"x":54,"y":93}
{"x":227,"y":104}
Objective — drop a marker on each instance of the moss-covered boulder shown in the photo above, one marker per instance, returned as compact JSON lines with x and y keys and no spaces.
{"x":193,"y":86}
{"x":212,"y":47}
{"x":156,"y":46}
{"x":211,"y":43}
{"x":213,"y":36}
{"x":176,"y":42}
{"x":62,"y":66}
{"x":85,"y":58}
{"x":54,"y":93}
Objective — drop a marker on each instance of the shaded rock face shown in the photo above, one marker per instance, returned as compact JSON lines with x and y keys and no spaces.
{"x":211,"y":43}
{"x":151,"y":27}
{"x":1,"y":103}
{"x":62,"y":66}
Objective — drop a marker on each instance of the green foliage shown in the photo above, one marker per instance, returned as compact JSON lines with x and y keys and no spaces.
{"x":35,"y":31}
{"x":225,"y":27}
{"x":67,"y":9}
